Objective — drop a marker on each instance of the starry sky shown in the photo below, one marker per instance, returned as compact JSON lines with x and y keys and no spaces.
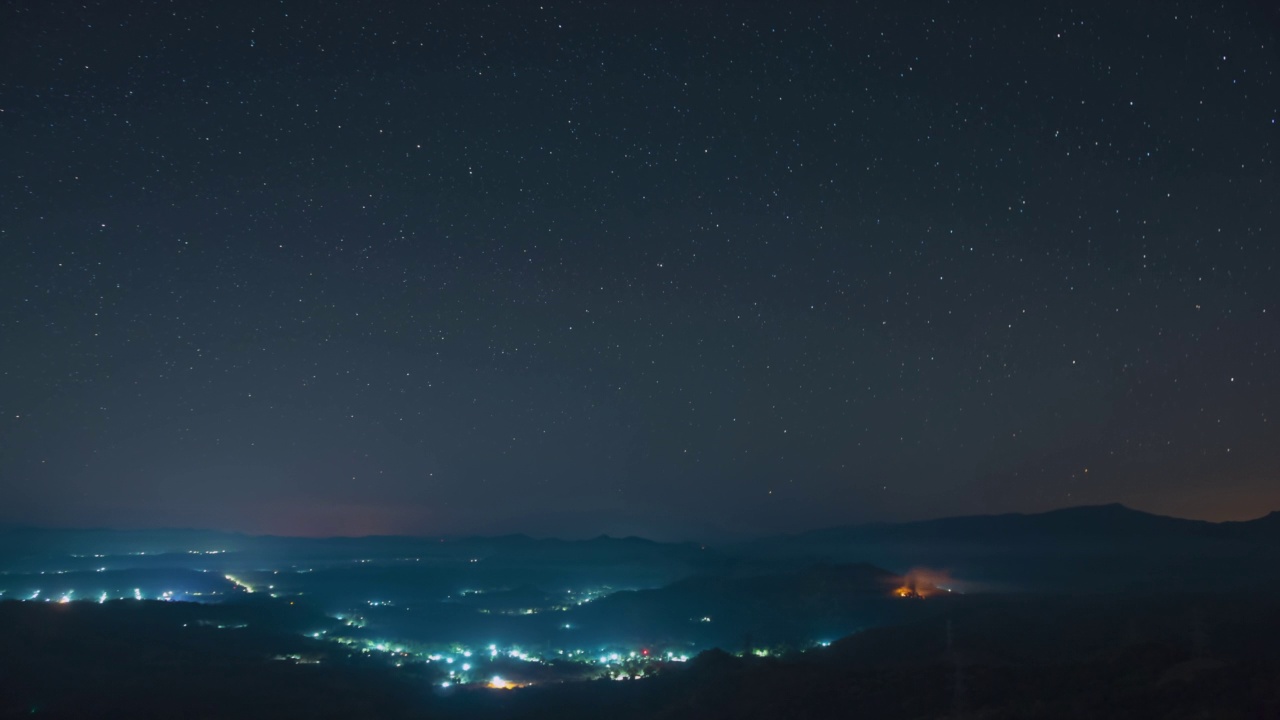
{"x":684,"y":270}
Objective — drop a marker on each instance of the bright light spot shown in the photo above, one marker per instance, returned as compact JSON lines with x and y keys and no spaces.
{"x":500,"y":684}
{"x":137,"y":594}
{"x":445,"y":684}
{"x":466,"y":666}
{"x":102,"y":598}
{"x":238,"y":583}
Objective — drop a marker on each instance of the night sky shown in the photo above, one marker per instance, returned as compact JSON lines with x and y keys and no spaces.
{"x":684,"y":270}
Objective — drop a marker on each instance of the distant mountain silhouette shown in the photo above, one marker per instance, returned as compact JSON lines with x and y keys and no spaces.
{"x":1112,"y":521}
{"x":1265,"y":529}
{"x":1093,"y":548}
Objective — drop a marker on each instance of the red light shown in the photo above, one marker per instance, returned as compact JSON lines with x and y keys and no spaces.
{"x":644,"y":652}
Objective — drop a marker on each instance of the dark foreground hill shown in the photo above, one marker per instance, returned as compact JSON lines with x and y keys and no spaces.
{"x":1176,"y":657}
{"x":1116,"y":656}
{"x":129,"y":659}
{"x":779,"y":608}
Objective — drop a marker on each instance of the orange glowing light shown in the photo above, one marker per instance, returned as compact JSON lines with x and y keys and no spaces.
{"x":923,"y":583}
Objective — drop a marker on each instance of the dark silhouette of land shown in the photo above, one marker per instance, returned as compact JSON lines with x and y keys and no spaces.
{"x":1090,"y":612}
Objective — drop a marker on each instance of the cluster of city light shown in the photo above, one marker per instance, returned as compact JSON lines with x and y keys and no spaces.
{"x":571,"y":600}
{"x":459,"y":665}
{"x":138,"y":553}
{"x":355,"y":621}
{"x":643,"y":655}
{"x":298,"y":659}
{"x":103,"y":596}
{"x":239,"y":583}
{"x":464,"y":665}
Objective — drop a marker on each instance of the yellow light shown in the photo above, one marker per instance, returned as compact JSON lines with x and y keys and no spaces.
{"x":239,"y":583}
